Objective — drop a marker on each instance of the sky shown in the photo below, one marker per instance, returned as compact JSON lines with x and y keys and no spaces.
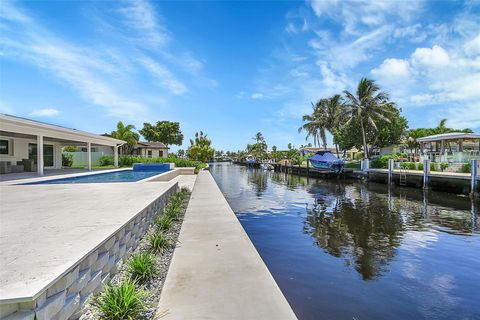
{"x":232,"y":68}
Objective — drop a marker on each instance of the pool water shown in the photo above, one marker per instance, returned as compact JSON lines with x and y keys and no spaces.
{"x":116,"y":176}
{"x":342,"y":249}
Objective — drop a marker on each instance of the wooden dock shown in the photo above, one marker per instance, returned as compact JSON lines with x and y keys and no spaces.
{"x":438,"y":181}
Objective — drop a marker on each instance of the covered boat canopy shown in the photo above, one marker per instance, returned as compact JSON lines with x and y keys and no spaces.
{"x":324,"y":156}
{"x":325,"y":160}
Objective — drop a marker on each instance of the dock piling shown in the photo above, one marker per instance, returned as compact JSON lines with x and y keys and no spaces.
{"x":426,"y":172}
{"x":390,"y":171}
{"x":473,"y":177}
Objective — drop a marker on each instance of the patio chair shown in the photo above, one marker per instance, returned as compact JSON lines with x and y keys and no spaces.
{"x":5,"y":167}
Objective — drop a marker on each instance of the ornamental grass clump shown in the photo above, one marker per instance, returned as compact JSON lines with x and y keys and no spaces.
{"x":172,"y":212}
{"x":158,"y":242}
{"x":163,"y":223}
{"x":141,"y":266}
{"x":123,"y":301}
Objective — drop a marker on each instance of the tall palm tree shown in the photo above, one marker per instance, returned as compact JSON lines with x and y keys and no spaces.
{"x":325,"y":117}
{"x":314,"y":126}
{"x":126,"y":133}
{"x":366,"y":106}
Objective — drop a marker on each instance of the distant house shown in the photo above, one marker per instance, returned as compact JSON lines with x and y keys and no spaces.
{"x":150,"y":149}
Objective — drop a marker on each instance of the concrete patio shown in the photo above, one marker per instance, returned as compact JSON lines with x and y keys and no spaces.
{"x":54,"y":236}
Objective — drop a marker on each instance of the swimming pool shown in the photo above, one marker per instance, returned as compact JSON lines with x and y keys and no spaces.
{"x":107,"y":177}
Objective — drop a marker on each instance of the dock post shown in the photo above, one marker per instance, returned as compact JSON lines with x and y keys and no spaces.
{"x":308,"y":168}
{"x":390,"y":171}
{"x":473,"y":177}
{"x":426,"y":172}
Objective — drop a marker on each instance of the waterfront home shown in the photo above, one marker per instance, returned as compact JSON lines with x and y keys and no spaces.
{"x":28,"y":145}
{"x":453,"y":147}
{"x":149,"y":149}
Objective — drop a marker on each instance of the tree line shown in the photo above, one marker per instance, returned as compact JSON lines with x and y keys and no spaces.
{"x":166,"y":132}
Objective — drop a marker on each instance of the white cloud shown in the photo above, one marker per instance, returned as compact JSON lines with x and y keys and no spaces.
{"x":49,"y":112}
{"x":164,"y":76}
{"x":357,"y":15}
{"x":140,"y":16}
{"x":435,"y":57}
{"x":393,"y":68}
{"x":257,"y":96}
{"x":472,"y":47}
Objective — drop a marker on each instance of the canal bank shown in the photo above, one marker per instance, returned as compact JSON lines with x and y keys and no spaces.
{"x":216,"y":272}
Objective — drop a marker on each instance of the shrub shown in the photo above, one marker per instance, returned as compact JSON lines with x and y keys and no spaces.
{"x":411,"y":166}
{"x":163,"y":223}
{"x":420,"y":166}
{"x":172,"y":212}
{"x":358,"y":156}
{"x":141,"y":266}
{"x":124,"y":301}
{"x":467,"y":167}
{"x":443,"y":166}
{"x":433,"y":166}
{"x":158,"y":242}
{"x":67,"y":160}
{"x":106,"y":160}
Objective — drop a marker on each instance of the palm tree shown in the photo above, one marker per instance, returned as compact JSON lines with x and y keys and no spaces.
{"x":325,"y":117}
{"x":368,"y":105}
{"x":126,"y":133}
{"x":315,"y":125}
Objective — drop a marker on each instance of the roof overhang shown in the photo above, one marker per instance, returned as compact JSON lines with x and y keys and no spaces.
{"x":449,"y":136}
{"x":24,"y":126}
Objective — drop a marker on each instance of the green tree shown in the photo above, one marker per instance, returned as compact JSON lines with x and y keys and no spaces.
{"x":325,"y":117}
{"x":180,"y":153}
{"x":126,"y":133}
{"x":259,"y":148}
{"x":366,"y":107}
{"x":200,"y":148}
{"x":166,"y":132}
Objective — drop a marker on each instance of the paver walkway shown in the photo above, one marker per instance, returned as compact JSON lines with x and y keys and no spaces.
{"x":216,"y":272}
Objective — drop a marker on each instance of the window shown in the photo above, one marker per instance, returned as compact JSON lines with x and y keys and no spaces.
{"x":160,"y":153}
{"x":93,"y":149}
{"x":4,"y":147}
{"x":149,"y":153}
{"x":47,"y":154}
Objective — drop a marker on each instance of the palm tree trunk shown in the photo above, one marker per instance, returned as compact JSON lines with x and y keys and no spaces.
{"x":336,"y":149}
{"x":365,"y":147}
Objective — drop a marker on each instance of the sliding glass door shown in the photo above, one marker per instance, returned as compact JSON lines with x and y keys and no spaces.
{"x":47,"y":154}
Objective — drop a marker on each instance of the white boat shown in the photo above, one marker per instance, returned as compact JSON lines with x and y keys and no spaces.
{"x":266,"y":166}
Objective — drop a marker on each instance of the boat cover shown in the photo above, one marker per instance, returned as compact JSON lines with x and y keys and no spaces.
{"x":324,"y":156}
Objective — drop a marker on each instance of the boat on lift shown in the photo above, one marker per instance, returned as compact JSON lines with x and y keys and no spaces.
{"x":325,"y":160}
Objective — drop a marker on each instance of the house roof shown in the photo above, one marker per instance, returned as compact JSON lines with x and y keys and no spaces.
{"x":449,"y":136}
{"x":152,"y":144}
{"x":24,"y":126}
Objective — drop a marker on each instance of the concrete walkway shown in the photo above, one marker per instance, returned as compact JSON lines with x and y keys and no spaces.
{"x":216,"y":272}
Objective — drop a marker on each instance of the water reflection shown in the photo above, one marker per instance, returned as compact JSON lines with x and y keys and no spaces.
{"x":364,"y":224}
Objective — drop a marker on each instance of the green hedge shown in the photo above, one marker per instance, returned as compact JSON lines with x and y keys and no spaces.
{"x":467,"y":167}
{"x":128,"y":161}
{"x":382,"y":162}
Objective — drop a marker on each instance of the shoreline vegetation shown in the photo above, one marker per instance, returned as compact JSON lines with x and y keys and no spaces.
{"x":134,"y":292}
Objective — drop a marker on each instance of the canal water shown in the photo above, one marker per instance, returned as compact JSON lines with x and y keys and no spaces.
{"x":349,"y":250}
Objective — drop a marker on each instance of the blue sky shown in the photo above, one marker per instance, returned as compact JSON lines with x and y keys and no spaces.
{"x":234,"y":68}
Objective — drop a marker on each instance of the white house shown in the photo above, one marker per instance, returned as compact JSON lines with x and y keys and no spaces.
{"x":150,"y":149}
{"x":24,"y":142}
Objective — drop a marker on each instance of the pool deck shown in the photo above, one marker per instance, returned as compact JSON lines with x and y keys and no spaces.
{"x":216,"y":272}
{"x":46,"y":229}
